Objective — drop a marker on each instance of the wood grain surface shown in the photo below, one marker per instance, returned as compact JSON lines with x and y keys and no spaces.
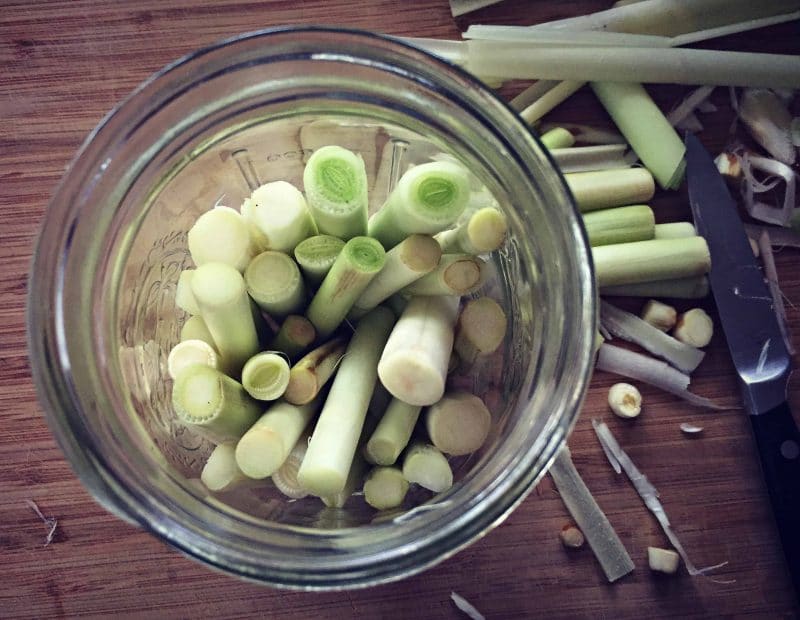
{"x":63,"y":65}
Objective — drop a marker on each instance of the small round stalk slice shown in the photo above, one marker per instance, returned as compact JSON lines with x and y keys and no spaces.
{"x":308,"y":376}
{"x":425,"y":465}
{"x":625,"y":400}
{"x":694,"y":327}
{"x":266,"y":375}
{"x":279,"y":215}
{"x":214,"y":403}
{"x":385,"y":488}
{"x":220,"y":235}
{"x":295,"y":336}
{"x":316,"y":256}
{"x":220,"y":473}
{"x":195,"y":329}
{"x":335,"y":182}
{"x":184,"y":298}
{"x":484,"y":232}
{"x":413,"y":366}
{"x":274,"y":282}
{"x":267,"y":444}
{"x":427,"y":199}
{"x":189,"y":352}
{"x":392,"y":433}
{"x":480,"y":329}
{"x":357,"y":264}
{"x":456,"y":274}
{"x":285,"y":477}
{"x":408,"y":261}
{"x":458,"y":424}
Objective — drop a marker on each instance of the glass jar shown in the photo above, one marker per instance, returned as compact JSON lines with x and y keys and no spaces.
{"x":207,"y":130}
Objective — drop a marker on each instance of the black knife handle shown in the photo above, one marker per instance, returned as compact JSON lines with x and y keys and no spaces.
{"x":778,"y":440}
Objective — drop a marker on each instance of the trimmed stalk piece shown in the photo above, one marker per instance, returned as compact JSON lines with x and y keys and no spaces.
{"x":220,"y":473}
{"x":660,"y":315}
{"x":480,"y":329}
{"x":620,"y":225}
{"x":458,"y":424}
{"x":456,"y":274}
{"x":663,"y":560}
{"x":195,"y":329}
{"x":695,"y":287}
{"x":425,"y":465}
{"x":273,"y":281}
{"x":406,"y":262}
{"x":531,"y":94}
{"x":646,"y":129}
{"x":601,"y":189}
{"x":361,"y":259}
{"x":266,"y":375}
{"x":333,"y":444}
{"x":221,"y":293}
{"x":267,"y":444}
{"x":205,"y":398}
{"x":413,"y":366}
{"x":294,"y":337}
{"x":308,"y":376}
{"x":694,"y":327}
{"x":220,"y":235}
{"x":335,"y":181}
{"x":652,"y":260}
{"x":190,"y":352}
{"x":591,"y":158}
{"x":184,"y":298}
{"x":427,"y":199}
{"x":485,"y":231}
{"x":316,"y":256}
{"x":550,"y":99}
{"x":278,"y":217}
{"x":558,"y":138}
{"x":674,"y":230}
{"x":385,"y":488}
{"x":392,"y":433}
{"x":285,"y":477}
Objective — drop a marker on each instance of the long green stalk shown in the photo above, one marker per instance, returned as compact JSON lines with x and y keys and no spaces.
{"x":620,"y":225}
{"x":647,"y":261}
{"x":427,"y":199}
{"x":316,"y":256}
{"x":274,"y":282}
{"x":693,"y":287}
{"x":333,"y":443}
{"x":358,"y":263}
{"x":484,"y":231}
{"x":392,"y":433}
{"x":335,"y":181}
{"x":601,"y":189}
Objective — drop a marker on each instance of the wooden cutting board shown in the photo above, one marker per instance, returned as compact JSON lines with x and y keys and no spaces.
{"x":63,"y":65}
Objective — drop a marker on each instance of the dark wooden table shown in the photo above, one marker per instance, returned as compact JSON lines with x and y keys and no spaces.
{"x":63,"y":65}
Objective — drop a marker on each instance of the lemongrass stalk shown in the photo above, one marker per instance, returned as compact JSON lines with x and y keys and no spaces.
{"x":184,"y":298}
{"x":425,"y":465}
{"x":586,"y":134}
{"x":278,"y":216}
{"x":558,"y":138}
{"x":354,"y":481}
{"x":456,"y":274}
{"x":221,"y":294}
{"x":361,"y":259}
{"x":385,"y":488}
{"x":458,"y":424}
{"x":648,"y":261}
{"x":533,"y":93}
{"x":267,"y":444}
{"x":556,"y":95}
{"x":195,"y":329}
{"x":316,"y":256}
{"x":540,"y":37}
{"x":336,"y":436}
{"x":674,"y":230}
{"x":689,"y":38}
{"x":190,"y":352}
{"x":285,"y":477}
{"x":356,"y":135}
{"x":266,"y":375}
{"x":413,"y":366}
{"x":214,"y":403}
{"x":687,"y":107}
{"x":660,"y":315}
{"x":274,"y":282}
{"x":620,"y":225}
{"x":294,"y":337}
{"x":695,"y":287}
{"x":480,"y":329}
{"x":335,"y":181}
{"x":646,"y":129}
{"x":220,"y":473}
{"x":589,"y":158}
{"x":427,"y":199}
{"x":406,"y":262}
{"x":220,"y":235}
{"x":485,"y":231}
{"x":308,"y":376}
{"x":452,"y":51}
{"x":601,"y":189}
{"x":392,"y":433}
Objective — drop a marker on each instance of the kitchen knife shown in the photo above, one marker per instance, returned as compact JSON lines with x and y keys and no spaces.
{"x":759,"y":354}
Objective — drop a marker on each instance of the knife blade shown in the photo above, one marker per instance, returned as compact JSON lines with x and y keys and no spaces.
{"x":754,"y":339}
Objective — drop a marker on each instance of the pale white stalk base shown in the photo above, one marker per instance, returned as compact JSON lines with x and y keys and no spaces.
{"x":220,"y":473}
{"x":458,"y":424}
{"x":190,"y":352}
{"x":184,"y":298}
{"x":220,"y":235}
{"x":385,"y":488}
{"x":426,"y":466}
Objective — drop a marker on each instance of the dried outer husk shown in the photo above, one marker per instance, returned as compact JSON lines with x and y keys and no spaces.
{"x":769,"y":122}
